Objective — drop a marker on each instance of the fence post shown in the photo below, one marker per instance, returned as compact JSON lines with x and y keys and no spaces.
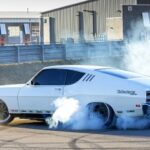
{"x":110,"y":48}
{"x":89,"y":50}
{"x":64,"y":51}
{"x":42,"y":51}
{"x":18,"y":54}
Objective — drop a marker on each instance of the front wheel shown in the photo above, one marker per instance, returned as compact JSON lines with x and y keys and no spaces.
{"x":104,"y":112}
{"x":5,"y":117}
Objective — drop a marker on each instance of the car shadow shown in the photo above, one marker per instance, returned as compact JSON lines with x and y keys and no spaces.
{"x":40,"y":125}
{"x":30,"y":124}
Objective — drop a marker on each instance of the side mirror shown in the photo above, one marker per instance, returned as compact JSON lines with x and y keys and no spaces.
{"x":30,"y":83}
{"x":34,"y":83}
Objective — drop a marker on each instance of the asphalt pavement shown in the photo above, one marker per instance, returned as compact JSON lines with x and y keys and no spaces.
{"x":34,"y":135}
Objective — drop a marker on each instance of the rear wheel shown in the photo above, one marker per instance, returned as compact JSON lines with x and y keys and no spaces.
{"x":104,"y":112}
{"x":5,"y":117}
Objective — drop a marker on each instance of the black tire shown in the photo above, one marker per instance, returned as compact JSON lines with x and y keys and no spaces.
{"x":104,"y":111}
{"x":5,"y":117}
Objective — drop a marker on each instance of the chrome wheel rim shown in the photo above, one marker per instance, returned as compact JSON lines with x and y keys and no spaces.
{"x":4,"y":114}
{"x":103,"y":112}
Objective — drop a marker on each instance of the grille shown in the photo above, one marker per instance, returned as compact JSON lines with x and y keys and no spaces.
{"x":148,"y":96}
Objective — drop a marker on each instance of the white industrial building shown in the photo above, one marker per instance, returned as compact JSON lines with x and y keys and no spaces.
{"x":93,"y":20}
{"x":19,"y":28}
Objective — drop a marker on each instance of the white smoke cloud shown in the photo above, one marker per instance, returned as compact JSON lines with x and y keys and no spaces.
{"x":125,"y":122}
{"x":70,"y":114}
{"x":137,"y":57}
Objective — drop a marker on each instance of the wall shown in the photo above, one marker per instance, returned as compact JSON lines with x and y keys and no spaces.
{"x":67,"y":18}
{"x":69,"y":51}
{"x":133,"y":24}
{"x":114,"y":28}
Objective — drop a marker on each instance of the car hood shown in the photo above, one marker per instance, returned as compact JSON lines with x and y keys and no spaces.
{"x":10,"y":90}
{"x":12,"y":86}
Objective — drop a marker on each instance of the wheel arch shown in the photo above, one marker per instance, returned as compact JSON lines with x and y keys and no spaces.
{"x":9,"y":116}
{"x":1,"y":100}
{"x":110,"y":119}
{"x":11,"y":102}
{"x":5,"y":102}
{"x":98,"y":103}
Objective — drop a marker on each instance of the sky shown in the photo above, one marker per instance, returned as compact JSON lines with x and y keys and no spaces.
{"x":34,"y":5}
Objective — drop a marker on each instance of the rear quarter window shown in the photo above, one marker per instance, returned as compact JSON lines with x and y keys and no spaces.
{"x":73,"y":77}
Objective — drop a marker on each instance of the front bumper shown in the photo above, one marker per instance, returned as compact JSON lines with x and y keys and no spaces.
{"x":146,"y":109}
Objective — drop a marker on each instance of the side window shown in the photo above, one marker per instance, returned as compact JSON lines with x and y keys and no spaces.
{"x":73,"y":77}
{"x":50,"y":77}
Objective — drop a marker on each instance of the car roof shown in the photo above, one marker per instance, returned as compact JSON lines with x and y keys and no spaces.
{"x":77,"y":67}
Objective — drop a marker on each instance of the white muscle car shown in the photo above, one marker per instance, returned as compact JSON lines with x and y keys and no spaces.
{"x":106,"y":91}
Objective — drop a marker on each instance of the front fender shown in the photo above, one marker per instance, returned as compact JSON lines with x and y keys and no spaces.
{"x":9,"y":95}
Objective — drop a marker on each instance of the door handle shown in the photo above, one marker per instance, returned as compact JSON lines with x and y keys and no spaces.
{"x":58,"y":89}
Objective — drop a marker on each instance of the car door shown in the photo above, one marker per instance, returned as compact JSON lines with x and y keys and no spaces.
{"x":44,"y":88}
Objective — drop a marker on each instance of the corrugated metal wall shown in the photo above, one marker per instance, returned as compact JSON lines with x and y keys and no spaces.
{"x":67,"y":21}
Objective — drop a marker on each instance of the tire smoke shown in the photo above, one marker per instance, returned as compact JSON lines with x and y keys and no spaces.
{"x":125,"y":122}
{"x":137,"y":57}
{"x":70,"y":114}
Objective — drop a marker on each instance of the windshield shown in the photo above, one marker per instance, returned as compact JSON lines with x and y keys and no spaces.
{"x":119,"y":73}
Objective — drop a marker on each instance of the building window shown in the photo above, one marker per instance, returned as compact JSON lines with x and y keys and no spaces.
{"x":146,"y":19}
{"x":3,"y":29}
{"x":13,"y":31}
{"x":27,"y":28}
{"x":35,"y":30}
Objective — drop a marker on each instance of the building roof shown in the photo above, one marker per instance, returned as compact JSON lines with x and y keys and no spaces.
{"x":86,"y":1}
{"x":19,"y":14}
